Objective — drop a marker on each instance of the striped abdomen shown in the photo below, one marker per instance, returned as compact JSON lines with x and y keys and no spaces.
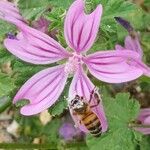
{"x":92,"y":123}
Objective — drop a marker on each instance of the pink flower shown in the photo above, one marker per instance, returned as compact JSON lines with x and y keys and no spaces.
{"x":144,"y":118}
{"x":41,"y":24}
{"x":80,"y":29}
{"x":132,"y":43}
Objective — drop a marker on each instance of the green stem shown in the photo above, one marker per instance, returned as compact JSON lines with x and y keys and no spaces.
{"x":50,"y":146}
{"x":27,"y":146}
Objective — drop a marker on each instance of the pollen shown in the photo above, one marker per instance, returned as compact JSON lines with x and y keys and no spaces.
{"x":72,"y":64}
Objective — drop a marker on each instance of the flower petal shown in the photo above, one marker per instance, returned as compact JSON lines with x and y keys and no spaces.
{"x":9,"y":12}
{"x":42,"y":90}
{"x":35,"y":47}
{"x":81,"y":29}
{"x":113,"y":66}
{"x":143,"y":130}
{"x":144,"y":113}
{"x":133,"y":44}
{"x":82,"y":86}
{"x":119,"y":47}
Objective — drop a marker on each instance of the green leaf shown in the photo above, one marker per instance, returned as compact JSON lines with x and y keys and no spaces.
{"x":64,"y":4}
{"x":145,"y":143}
{"x":22,"y":103}
{"x":32,"y":8}
{"x":24,"y":71}
{"x":4,"y":103}
{"x":6,"y":84}
{"x":58,"y":108}
{"x":120,"y":112}
{"x":51,"y":130}
{"x":61,"y":104}
{"x":5,"y":28}
{"x":5,"y":56}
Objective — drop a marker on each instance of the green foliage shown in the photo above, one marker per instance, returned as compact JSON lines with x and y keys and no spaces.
{"x":110,"y":31}
{"x":120,"y":112}
{"x":64,"y":4}
{"x":4,"y":103}
{"x":32,"y":9}
{"x":6,"y":84}
{"x":51,"y":130}
{"x":61,"y":104}
{"x":5,"y":56}
{"x":56,"y":17}
{"x":58,"y":108}
{"x":5,"y":28}
{"x":24,"y":71}
{"x":145,"y":143}
{"x":22,"y":103}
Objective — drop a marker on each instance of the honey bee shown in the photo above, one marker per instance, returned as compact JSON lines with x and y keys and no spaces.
{"x":85,"y":114}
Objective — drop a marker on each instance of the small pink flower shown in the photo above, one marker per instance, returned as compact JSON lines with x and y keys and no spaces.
{"x":132,"y":43}
{"x":144,"y":118}
{"x":80,"y":29}
{"x":41,"y":24}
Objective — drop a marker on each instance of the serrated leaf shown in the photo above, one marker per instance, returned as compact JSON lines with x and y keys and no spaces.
{"x":58,"y":108}
{"x":120,"y":139}
{"x":22,"y":103}
{"x":119,"y":111}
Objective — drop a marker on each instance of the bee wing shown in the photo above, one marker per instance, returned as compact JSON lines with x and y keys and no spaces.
{"x":77,"y":122}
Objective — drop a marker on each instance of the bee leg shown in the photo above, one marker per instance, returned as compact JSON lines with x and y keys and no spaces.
{"x":92,"y":93}
{"x":98,"y":101}
{"x":77,"y":124}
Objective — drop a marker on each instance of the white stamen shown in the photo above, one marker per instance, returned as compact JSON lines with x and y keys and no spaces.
{"x":72,"y":64}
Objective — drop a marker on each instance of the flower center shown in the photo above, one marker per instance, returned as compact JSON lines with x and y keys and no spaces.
{"x":73,"y":63}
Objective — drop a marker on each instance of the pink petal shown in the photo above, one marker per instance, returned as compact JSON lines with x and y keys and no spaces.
{"x":35,"y":47}
{"x":9,"y":12}
{"x":113,"y":66}
{"x":119,"y":47}
{"x":42,"y":90}
{"x":133,"y":44}
{"x":143,"y":130}
{"x":147,"y":120}
{"x":144,"y":113}
{"x":81,"y":29}
{"x":144,"y":117}
{"x":82,"y":86}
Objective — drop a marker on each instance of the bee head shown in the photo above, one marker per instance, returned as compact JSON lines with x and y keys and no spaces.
{"x":77,"y":103}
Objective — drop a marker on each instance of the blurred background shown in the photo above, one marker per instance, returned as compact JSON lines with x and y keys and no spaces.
{"x":55,"y":126}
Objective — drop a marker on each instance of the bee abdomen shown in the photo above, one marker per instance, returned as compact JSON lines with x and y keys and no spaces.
{"x":92,"y":123}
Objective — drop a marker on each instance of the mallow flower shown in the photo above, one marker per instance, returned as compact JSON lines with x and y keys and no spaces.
{"x":144,"y":120}
{"x":132,"y":43}
{"x":80,"y":30}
